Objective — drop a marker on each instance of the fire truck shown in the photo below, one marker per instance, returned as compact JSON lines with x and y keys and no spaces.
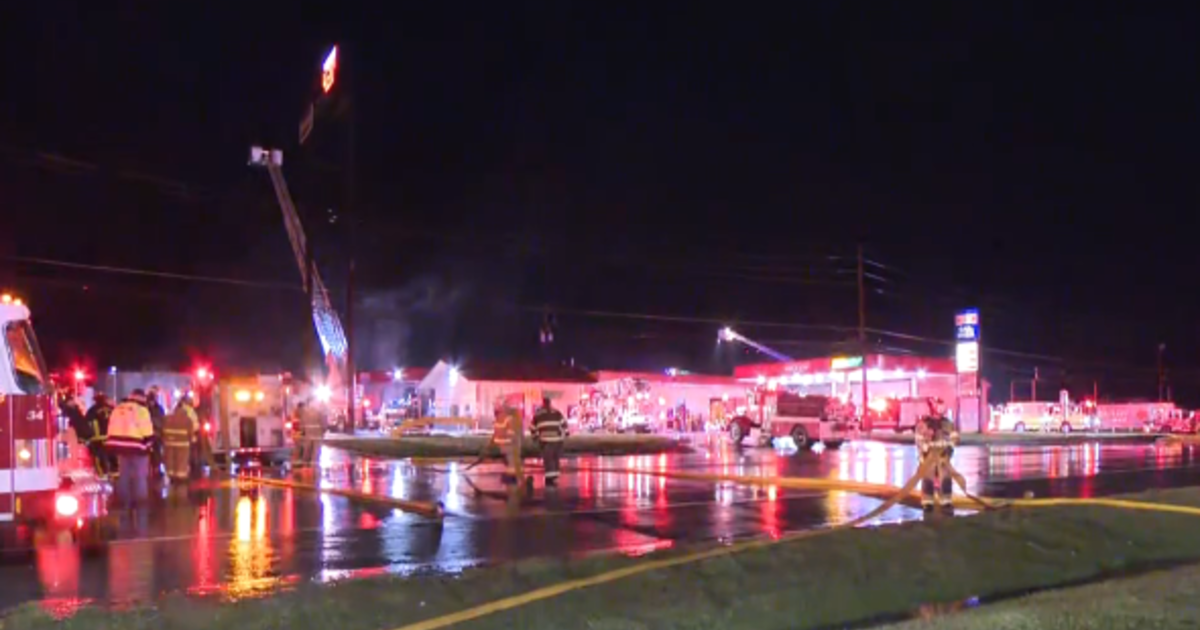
{"x":806,"y":419}
{"x":36,"y":494}
{"x":245,"y":418}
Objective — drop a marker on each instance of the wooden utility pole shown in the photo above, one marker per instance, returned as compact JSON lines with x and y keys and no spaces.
{"x":862,"y":328}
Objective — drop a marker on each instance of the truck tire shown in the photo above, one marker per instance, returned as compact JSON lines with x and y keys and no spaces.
{"x":1066,"y":427}
{"x":736,"y":434}
{"x":833,"y":444}
{"x":800,"y":437}
{"x":1019,"y":427}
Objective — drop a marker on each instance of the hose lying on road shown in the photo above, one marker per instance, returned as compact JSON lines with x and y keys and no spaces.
{"x":424,"y":508}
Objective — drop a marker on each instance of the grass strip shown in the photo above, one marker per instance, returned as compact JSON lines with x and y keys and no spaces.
{"x":827,"y":581}
{"x":1160,"y":599}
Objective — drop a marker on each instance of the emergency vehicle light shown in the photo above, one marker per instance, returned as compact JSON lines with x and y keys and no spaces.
{"x":258,"y":396}
{"x":7,"y":299}
{"x":207,"y":427}
{"x":66,"y":505}
{"x":241,"y":395}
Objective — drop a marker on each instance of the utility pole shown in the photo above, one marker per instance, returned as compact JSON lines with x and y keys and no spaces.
{"x":862,"y":327}
{"x":1162,"y":375}
{"x":352,"y":221}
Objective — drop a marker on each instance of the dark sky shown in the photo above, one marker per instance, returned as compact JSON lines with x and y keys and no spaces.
{"x":710,"y":161}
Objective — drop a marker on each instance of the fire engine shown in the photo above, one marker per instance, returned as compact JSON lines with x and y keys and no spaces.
{"x":806,"y":419}
{"x":35,"y":493}
{"x":245,"y":418}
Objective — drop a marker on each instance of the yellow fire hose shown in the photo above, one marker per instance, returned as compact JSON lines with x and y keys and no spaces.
{"x":424,"y":508}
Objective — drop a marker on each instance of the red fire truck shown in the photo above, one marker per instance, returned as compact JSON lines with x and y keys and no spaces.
{"x":35,"y":493}
{"x":806,"y":419}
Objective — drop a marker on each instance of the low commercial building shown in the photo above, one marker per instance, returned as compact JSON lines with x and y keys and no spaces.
{"x":471,"y":389}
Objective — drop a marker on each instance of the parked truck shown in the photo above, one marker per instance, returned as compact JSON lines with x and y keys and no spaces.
{"x":807,"y":420}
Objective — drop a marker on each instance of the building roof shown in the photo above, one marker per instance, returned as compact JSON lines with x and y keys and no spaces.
{"x":659,"y":377}
{"x":524,"y":373}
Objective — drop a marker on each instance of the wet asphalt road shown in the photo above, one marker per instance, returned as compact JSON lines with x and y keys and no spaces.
{"x":234,"y":542}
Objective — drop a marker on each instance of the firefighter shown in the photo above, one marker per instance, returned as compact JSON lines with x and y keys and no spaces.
{"x":131,"y":438}
{"x":157,"y":418}
{"x":178,"y":431}
{"x":502,"y":435}
{"x":97,"y":421}
{"x":76,"y":419}
{"x":936,"y":437}
{"x":549,"y":429}
{"x":312,"y":426}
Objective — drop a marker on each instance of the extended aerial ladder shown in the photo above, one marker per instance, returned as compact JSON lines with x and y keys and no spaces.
{"x":730,"y":335}
{"x":325,"y":318}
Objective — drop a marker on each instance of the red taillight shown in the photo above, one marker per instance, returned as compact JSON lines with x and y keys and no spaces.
{"x":66,"y":505}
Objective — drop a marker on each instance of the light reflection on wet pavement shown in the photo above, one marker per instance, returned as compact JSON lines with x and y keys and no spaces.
{"x":232,"y":542}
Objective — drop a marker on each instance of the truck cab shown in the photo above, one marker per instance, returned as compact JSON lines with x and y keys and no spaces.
{"x":36,"y":493}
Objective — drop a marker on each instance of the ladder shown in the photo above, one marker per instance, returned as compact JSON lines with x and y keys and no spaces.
{"x":325,"y":318}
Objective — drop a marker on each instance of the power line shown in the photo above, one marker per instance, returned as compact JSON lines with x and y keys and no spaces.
{"x":154,"y":274}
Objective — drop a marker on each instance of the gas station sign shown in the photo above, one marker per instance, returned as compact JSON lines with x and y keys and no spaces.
{"x":966,"y":333}
{"x":845,"y":363}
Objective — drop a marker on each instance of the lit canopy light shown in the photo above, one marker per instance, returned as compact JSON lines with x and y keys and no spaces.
{"x":323,"y":393}
{"x":874,"y":374}
{"x":241,"y":395}
{"x":762,"y":380}
{"x":259,"y":396}
{"x":920,"y":374}
{"x":453,"y":376}
{"x":112,"y":370}
{"x":329,"y":69}
{"x":398,"y":374}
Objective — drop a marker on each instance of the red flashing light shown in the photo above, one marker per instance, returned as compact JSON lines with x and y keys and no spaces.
{"x":208,"y":427}
{"x":80,"y":375}
{"x":203,"y":374}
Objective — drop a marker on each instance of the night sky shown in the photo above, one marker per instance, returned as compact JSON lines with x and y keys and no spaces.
{"x":716,"y":163}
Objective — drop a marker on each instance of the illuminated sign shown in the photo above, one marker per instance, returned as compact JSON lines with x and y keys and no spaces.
{"x":966,"y":357}
{"x":966,"y":325}
{"x":845,"y":363}
{"x":329,"y":70}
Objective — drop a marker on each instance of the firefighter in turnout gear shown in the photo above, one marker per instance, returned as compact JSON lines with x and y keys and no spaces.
{"x":936,"y":437}
{"x":97,"y":420}
{"x":130,"y":438}
{"x":550,"y":429}
{"x":505,"y":431}
{"x":178,"y":431}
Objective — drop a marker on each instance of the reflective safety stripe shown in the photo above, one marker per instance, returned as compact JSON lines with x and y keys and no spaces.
{"x":176,"y":432}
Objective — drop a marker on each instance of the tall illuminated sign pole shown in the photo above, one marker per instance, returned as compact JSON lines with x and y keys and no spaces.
{"x":966,"y":361}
